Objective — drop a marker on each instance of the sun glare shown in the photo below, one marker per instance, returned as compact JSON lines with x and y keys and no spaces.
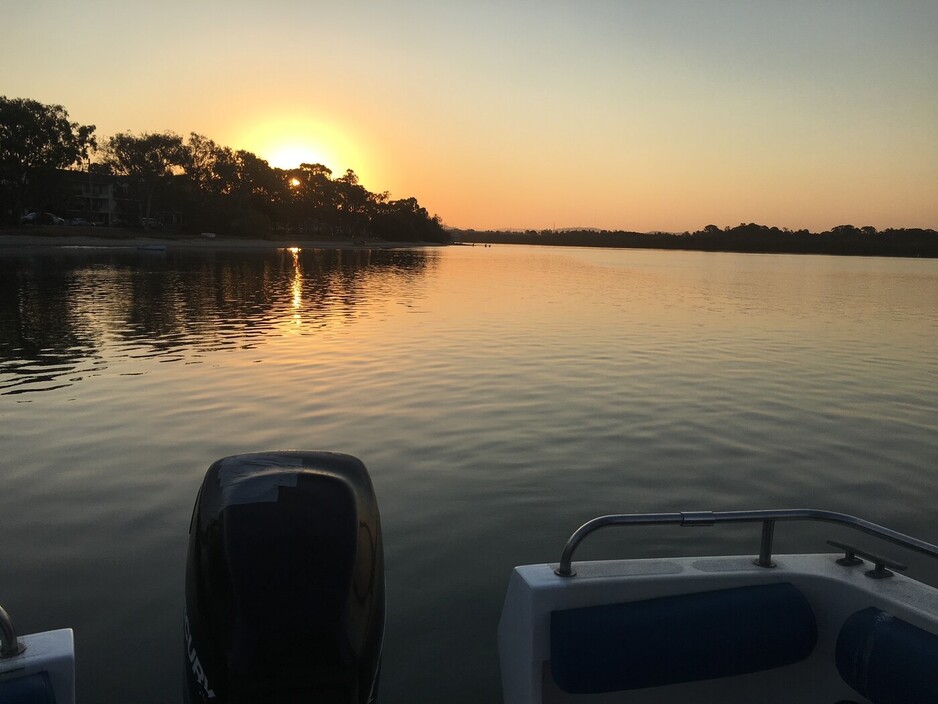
{"x":289,"y":156}
{"x":287,"y":141}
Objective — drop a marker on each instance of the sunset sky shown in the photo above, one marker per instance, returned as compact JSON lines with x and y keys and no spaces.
{"x":639,"y":115}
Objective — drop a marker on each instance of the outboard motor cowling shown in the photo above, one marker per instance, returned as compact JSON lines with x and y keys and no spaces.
{"x":284,"y":581}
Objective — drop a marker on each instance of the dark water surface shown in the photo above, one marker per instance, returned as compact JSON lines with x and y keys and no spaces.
{"x":500,"y":397}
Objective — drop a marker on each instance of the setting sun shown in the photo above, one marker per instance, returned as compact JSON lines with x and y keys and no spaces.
{"x":287,"y":141}
{"x":292,"y":155}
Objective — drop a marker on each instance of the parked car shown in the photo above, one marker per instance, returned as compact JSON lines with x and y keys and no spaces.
{"x":150,"y":222}
{"x":80,"y":222}
{"x":37,"y":218}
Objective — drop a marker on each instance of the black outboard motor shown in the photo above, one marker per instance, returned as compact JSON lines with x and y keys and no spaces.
{"x":284,"y":582}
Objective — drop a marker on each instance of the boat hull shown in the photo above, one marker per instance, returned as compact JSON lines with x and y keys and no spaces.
{"x":834,"y":593}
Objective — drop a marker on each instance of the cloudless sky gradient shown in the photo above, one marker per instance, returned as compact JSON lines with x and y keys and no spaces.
{"x":639,"y":115}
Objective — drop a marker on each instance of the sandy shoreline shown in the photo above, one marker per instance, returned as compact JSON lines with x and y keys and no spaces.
{"x":23,"y":240}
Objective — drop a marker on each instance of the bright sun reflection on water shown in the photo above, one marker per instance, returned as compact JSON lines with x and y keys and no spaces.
{"x":296,"y":285}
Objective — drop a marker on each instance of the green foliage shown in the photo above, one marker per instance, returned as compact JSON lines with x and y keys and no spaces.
{"x":406,"y":221}
{"x":36,"y":140}
{"x":204,"y":185}
{"x":148,"y":161}
{"x":147,"y":158}
{"x":33,"y":135}
{"x":212,"y":169}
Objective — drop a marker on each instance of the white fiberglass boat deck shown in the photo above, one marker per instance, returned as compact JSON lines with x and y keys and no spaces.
{"x":786,"y":628}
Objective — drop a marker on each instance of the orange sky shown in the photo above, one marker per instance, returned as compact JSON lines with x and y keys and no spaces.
{"x":640,"y":115}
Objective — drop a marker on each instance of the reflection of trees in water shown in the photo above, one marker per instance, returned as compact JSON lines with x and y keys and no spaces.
{"x":336,"y":283}
{"x":59,"y":311}
{"x":43,"y":341}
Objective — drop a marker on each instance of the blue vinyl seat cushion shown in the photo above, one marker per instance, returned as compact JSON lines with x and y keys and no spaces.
{"x":683,"y":638}
{"x":29,"y":689}
{"x":888,"y":660}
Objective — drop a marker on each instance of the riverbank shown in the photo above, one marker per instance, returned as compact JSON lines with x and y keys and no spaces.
{"x":20,"y":237}
{"x":843,"y":240}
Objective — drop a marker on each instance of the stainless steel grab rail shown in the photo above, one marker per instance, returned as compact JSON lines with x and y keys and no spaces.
{"x":767,"y":518}
{"x":11,"y":645}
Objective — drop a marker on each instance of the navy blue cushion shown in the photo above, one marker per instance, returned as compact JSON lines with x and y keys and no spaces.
{"x":888,"y":660}
{"x":680,"y":638}
{"x":31,"y":689}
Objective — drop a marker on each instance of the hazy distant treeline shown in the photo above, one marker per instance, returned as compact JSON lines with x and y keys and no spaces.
{"x":843,"y":239}
{"x":193,"y":183}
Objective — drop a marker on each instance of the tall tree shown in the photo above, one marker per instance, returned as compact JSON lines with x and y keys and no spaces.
{"x":354,"y":202}
{"x":254,"y":178}
{"x":312,"y":197}
{"x":149,"y":160}
{"x":35,"y":137}
{"x":406,"y":220}
{"x":210,"y":167}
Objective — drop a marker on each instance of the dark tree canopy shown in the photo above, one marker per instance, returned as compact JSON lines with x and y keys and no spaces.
{"x":147,"y":160}
{"x":406,"y":220}
{"x":146,"y":157}
{"x":33,"y":135}
{"x":35,"y":140}
{"x":210,"y":167}
{"x":745,"y":237}
{"x":199,"y":185}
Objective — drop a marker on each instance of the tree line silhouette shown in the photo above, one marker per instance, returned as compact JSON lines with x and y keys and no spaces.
{"x":195,"y":183}
{"x":200,"y":185}
{"x":840,"y":240}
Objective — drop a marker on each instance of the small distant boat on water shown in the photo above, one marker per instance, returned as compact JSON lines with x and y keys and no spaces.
{"x":285,"y":601}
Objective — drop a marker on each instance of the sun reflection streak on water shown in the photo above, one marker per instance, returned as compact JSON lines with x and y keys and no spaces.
{"x":297,"y":285}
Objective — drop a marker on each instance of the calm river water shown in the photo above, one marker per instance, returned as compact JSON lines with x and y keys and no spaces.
{"x":499,"y":396}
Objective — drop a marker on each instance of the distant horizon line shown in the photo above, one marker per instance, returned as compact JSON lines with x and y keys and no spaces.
{"x":522,"y":230}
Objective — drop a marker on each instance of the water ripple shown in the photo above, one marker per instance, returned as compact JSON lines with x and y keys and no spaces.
{"x":499,"y":396}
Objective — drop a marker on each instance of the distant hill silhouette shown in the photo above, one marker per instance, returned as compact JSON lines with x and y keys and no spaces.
{"x":840,"y":240}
